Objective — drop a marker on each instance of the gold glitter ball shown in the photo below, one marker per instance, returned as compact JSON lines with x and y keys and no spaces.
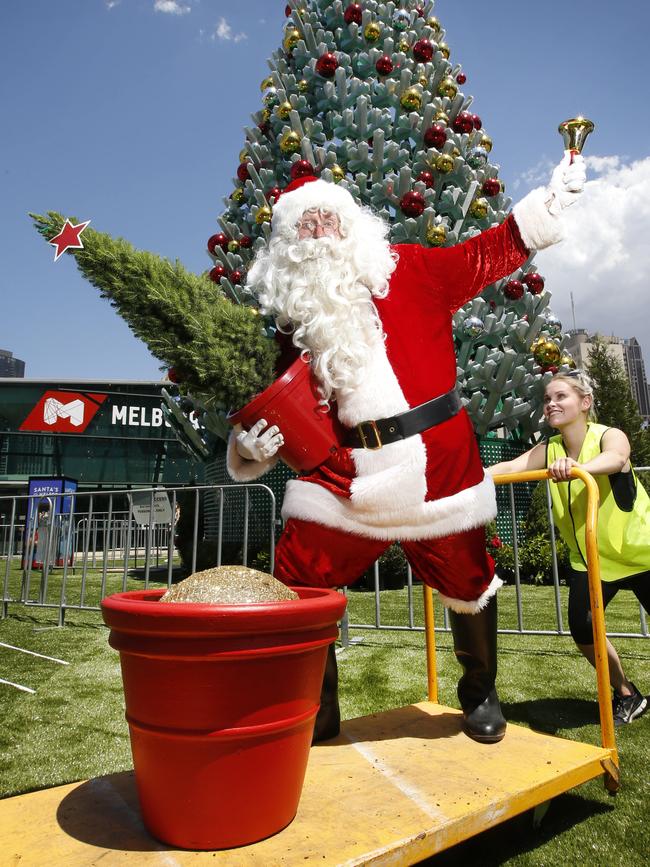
{"x":436,"y":235}
{"x":291,"y":39}
{"x":290,"y":143}
{"x":403,"y":46}
{"x":303,"y":85}
{"x":443,"y":48}
{"x":372,"y":32}
{"x":284,"y":110}
{"x":444,"y":163}
{"x":411,"y":99}
{"x":447,"y":87}
{"x":229,"y":585}
{"x":337,"y":172}
{"x":485,"y":142}
{"x":441,"y":117}
{"x":433,"y":23}
{"x":268,"y":82}
{"x":263,"y":215}
{"x":423,"y":81}
{"x":233,"y":246}
{"x":238,"y":195}
{"x":479,"y":208}
{"x":243,"y":155}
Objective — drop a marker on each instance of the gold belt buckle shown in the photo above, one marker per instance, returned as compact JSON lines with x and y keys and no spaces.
{"x":375,"y":430}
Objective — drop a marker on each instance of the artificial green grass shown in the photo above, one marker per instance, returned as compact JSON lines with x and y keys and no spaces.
{"x":74,"y":727}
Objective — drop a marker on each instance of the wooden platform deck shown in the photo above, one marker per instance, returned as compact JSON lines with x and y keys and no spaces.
{"x":392,"y":789}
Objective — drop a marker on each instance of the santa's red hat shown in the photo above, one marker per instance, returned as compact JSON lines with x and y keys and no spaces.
{"x":307,"y":193}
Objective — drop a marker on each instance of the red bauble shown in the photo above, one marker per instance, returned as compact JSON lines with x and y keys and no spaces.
{"x":534,"y":283}
{"x":273,"y":194}
{"x":420,"y":12}
{"x":217,"y":273}
{"x":427,"y":179}
{"x":353,"y":13}
{"x":287,"y":10}
{"x":300,"y":169}
{"x":514,"y":289}
{"x":172,"y":375}
{"x":245,"y":242}
{"x":264,"y":127}
{"x":412,"y":204}
{"x":218,"y":240}
{"x":463,"y":122}
{"x":384,"y":65}
{"x":478,"y":123}
{"x":491,"y":187}
{"x":550,"y":368}
{"x":242,"y":172}
{"x":327,"y":64}
{"x":235,"y":276}
{"x":423,"y":50}
{"x":435,"y":136}
{"x":461,"y":78}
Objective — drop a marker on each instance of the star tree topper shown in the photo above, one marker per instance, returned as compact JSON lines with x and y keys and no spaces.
{"x":68,"y":238}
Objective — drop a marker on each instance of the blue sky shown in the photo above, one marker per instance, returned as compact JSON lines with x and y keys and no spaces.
{"x":131,"y":114}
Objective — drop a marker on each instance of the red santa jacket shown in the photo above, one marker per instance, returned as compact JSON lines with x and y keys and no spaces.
{"x":431,"y":484}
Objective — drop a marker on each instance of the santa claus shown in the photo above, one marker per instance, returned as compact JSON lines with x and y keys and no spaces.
{"x":375,"y":320}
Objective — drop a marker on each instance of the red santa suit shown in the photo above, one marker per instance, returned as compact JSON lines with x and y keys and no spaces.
{"x":429,"y":491}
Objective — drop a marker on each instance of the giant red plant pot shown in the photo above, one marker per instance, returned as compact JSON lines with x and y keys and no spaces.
{"x":312,"y":432}
{"x":221,"y":702}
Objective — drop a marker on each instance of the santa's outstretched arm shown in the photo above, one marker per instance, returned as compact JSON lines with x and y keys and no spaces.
{"x":460,"y":272}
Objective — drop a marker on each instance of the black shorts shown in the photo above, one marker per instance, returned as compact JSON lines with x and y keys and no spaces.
{"x":580,"y":609}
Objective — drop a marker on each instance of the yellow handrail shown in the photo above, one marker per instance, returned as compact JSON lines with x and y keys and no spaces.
{"x":608,"y":738}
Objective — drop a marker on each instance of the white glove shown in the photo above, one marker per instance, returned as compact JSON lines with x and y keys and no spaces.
{"x":566,"y":184}
{"x":253,"y":447}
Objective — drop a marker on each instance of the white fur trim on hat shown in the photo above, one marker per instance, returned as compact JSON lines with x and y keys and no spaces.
{"x":462,"y":606}
{"x":537,"y":227}
{"x":316,"y":194}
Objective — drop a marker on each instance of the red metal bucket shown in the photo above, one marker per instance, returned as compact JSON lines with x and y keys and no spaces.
{"x":221,"y":702}
{"x":312,"y":433}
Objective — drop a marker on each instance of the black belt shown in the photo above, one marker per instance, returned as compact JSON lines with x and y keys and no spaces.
{"x":380,"y":432}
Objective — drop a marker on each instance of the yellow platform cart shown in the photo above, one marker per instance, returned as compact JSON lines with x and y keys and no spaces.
{"x":392,"y":789}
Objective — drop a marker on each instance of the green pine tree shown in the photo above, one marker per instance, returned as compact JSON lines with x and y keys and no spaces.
{"x":365,"y":95}
{"x":613,"y":401}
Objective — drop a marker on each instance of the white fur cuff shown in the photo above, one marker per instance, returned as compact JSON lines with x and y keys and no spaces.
{"x":242,"y":470}
{"x":537,"y":227}
{"x":462,"y":606}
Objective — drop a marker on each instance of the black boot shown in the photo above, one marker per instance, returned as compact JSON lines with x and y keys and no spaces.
{"x":328,"y":718}
{"x":475,"y":645}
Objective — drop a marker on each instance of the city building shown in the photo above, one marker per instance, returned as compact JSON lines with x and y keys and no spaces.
{"x":627,"y":351}
{"x":10,"y":366}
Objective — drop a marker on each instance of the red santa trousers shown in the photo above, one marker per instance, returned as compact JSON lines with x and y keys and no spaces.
{"x":311,"y":554}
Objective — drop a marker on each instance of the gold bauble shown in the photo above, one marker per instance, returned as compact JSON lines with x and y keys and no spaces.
{"x":479,"y":208}
{"x":547,"y":352}
{"x":284,"y":110}
{"x":411,"y":99}
{"x":433,"y":23}
{"x":266,"y":114}
{"x":233,"y":246}
{"x":291,"y":39}
{"x":403,"y":46}
{"x":303,"y":85}
{"x":436,"y":235}
{"x":455,"y":152}
{"x":337,"y":172}
{"x":485,"y":142}
{"x":263,"y":215}
{"x":444,"y":163}
{"x":448,"y":87}
{"x":443,"y":48}
{"x":568,"y":361}
{"x":238,"y":195}
{"x":243,"y":155}
{"x":290,"y":143}
{"x":441,"y":117}
{"x":372,"y":32}
{"x":423,"y":81}
{"x":268,"y":82}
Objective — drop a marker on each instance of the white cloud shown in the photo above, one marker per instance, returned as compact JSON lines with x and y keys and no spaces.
{"x":111,"y":3}
{"x":536,"y":175}
{"x":605,"y":259}
{"x":171,"y":7}
{"x":224,"y":32}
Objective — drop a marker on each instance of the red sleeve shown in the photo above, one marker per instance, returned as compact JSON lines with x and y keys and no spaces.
{"x":460,"y":272}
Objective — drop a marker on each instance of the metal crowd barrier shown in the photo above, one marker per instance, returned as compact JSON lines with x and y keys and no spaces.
{"x":67,"y":561}
{"x":409,"y":614}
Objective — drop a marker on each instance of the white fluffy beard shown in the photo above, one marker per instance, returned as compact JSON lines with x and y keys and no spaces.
{"x":315,"y":292}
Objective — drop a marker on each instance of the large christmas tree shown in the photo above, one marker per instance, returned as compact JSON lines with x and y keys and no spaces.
{"x":365,"y":95}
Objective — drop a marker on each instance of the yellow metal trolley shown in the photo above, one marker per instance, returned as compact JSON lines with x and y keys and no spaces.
{"x":392,"y":789}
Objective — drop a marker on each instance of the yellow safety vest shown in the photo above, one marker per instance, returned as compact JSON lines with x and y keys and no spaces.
{"x":623,"y":515}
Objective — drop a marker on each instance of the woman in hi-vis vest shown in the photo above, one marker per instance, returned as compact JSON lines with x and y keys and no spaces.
{"x":623,"y":516}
